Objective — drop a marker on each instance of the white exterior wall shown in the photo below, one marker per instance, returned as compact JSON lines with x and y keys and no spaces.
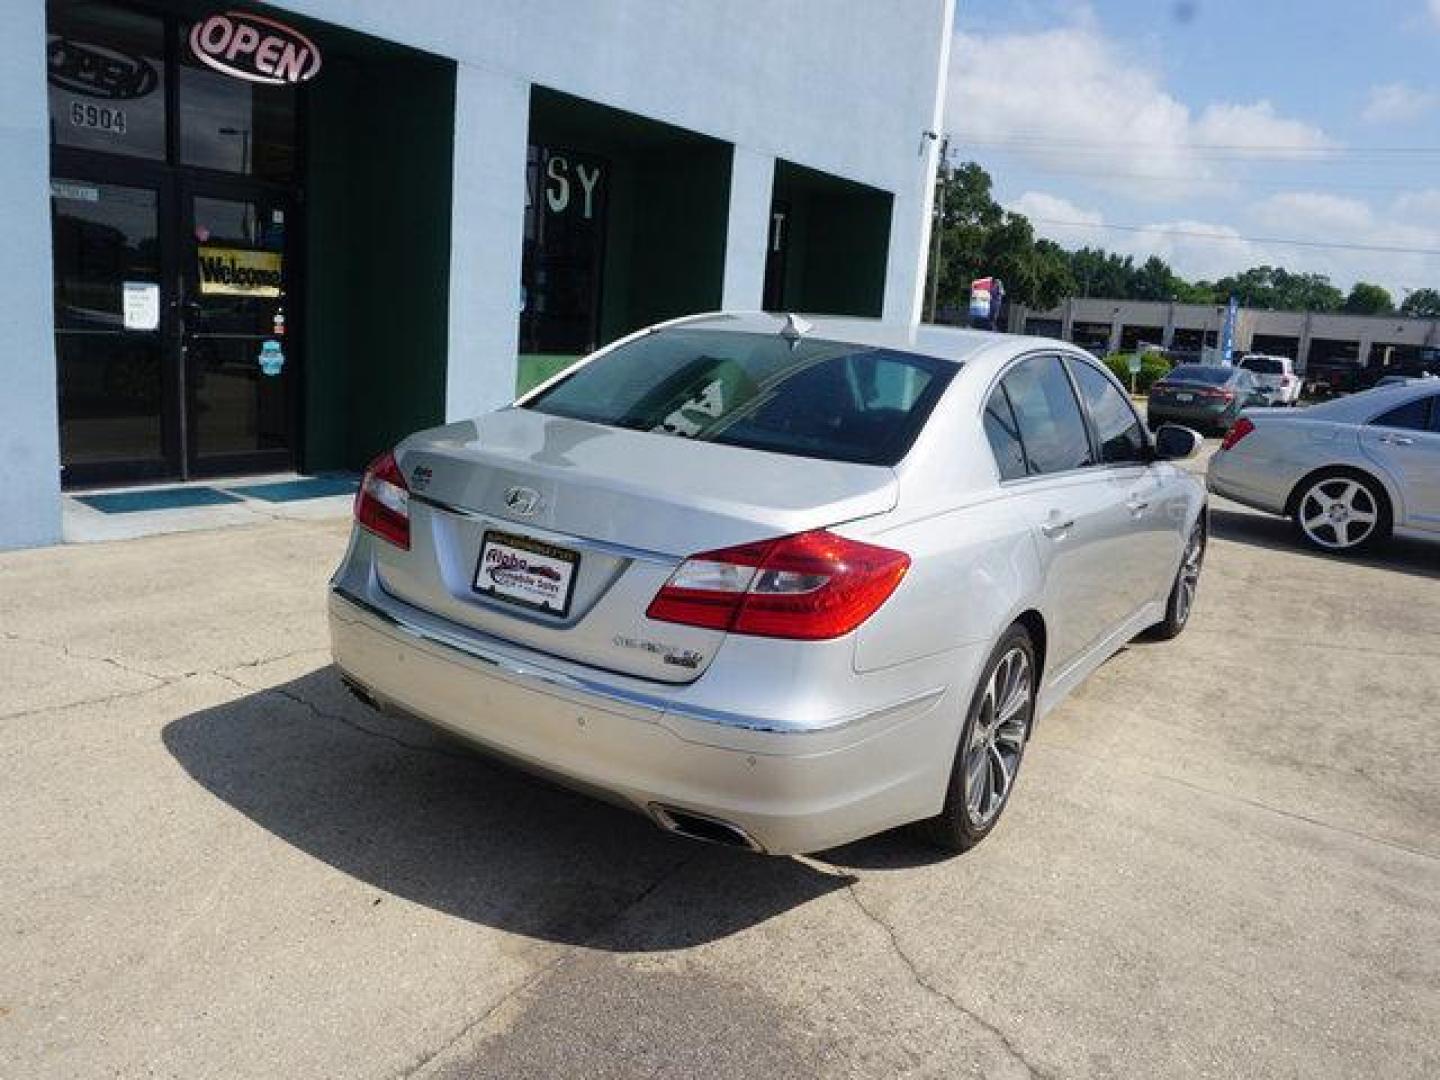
{"x":29,"y":426}
{"x":848,"y":87}
{"x":492,"y":120}
{"x":747,"y":232}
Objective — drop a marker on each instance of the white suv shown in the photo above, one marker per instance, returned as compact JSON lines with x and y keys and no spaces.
{"x":1274,"y":376}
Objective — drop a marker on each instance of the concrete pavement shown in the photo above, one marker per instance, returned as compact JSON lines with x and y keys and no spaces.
{"x":1222,"y":858}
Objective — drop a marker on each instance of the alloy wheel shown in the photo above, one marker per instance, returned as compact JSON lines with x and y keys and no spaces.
{"x":997,"y":738}
{"x":1338,"y":513}
{"x":1190,"y":575}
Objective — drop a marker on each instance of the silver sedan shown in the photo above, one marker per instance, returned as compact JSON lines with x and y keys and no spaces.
{"x":777,"y":584}
{"x":1348,"y":472}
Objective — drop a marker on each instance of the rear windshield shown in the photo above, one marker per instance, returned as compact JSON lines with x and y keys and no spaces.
{"x":812,"y":398}
{"x":1200,"y":373}
{"x":1263,"y":365}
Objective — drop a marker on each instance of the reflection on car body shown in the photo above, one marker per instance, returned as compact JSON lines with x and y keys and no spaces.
{"x":823,"y":577}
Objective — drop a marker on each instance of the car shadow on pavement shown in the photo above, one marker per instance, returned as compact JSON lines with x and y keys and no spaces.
{"x":1278,"y":534}
{"x":393,"y":804}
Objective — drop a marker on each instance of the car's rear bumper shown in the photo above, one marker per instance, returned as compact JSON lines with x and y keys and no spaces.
{"x":1179,"y":414}
{"x":1229,"y":476}
{"x":786,"y":791}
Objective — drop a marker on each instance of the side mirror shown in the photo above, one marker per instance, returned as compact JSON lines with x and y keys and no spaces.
{"x":1176,"y":443}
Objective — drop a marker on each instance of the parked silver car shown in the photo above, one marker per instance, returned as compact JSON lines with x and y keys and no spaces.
{"x":1348,"y":472}
{"x":775,"y":584}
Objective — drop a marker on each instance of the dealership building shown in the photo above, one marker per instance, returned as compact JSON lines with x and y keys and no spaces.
{"x":245,"y":239}
{"x":1377,"y":342}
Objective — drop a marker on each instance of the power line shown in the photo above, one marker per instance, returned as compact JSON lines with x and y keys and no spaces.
{"x":1037,"y":141}
{"x":1297,"y":186}
{"x":1196,"y":234}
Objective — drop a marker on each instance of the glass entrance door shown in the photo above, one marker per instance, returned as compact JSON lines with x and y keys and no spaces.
{"x":112,"y":327}
{"x":236,"y":338}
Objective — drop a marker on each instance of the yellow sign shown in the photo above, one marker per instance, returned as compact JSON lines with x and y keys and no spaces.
{"x":240,"y":271}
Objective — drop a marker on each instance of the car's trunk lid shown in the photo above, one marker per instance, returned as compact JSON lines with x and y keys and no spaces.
{"x":623,"y":508}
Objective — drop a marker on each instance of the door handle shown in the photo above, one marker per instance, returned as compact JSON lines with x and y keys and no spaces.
{"x":1397,"y":440}
{"x":1053,"y":529}
{"x":1138,"y":506}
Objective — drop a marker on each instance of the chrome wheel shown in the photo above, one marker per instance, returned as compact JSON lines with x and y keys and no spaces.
{"x":1189,"y":581}
{"x":1338,"y":513}
{"x":997,"y":738}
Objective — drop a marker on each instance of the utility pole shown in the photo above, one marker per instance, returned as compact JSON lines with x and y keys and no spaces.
{"x":938,"y":226}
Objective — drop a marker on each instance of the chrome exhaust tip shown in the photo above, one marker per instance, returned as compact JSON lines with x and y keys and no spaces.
{"x":703,"y":827}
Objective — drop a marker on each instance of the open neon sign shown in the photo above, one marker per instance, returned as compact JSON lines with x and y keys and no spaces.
{"x":255,"y":48}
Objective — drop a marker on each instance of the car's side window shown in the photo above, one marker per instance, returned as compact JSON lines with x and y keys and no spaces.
{"x":1122,"y":438}
{"x":1047,"y":416}
{"x":1412,"y":416}
{"x":1004,"y":436}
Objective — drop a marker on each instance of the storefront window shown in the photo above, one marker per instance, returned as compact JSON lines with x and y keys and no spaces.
{"x":564,"y":245}
{"x":107,"y":321}
{"x":233,"y":125}
{"x":106,"y":76}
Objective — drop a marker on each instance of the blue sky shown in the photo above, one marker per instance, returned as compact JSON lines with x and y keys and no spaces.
{"x":1252,"y":122}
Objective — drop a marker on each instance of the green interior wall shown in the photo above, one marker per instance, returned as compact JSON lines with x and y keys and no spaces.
{"x":380,"y":130}
{"x":667,"y":213}
{"x":839,"y":242}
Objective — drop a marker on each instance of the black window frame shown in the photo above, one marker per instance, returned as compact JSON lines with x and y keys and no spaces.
{"x":999,"y":384}
{"x":1097,"y":446}
{"x":1432,"y":416}
{"x":1026,"y":474}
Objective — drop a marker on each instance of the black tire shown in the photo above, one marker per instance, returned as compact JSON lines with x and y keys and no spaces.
{"x":995,"y":736}
{"x":1362,"y":502}
{"x":1187,"y":582}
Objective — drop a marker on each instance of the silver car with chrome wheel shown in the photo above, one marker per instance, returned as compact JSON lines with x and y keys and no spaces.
{"x":1348,"y":473}
{"x":775,"y":583}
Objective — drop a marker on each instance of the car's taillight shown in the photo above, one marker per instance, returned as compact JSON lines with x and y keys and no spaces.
{"x":810,"y":586}
{"x":1238,"y":431}
{"x":382,"y":504}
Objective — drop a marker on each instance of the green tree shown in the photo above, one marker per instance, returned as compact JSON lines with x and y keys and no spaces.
{"x":979,"y":238}
{"x":1368,"y":299}
{"x":1422,"y":303}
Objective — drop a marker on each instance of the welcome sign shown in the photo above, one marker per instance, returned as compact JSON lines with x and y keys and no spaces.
{"x":240,"y":272}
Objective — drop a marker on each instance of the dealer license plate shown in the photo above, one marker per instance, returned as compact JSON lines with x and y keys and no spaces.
{"x":527,"y":572}
{"x":1184,"y":397}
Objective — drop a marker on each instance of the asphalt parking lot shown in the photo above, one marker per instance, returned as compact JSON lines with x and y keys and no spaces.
{"x":1223,"y":858}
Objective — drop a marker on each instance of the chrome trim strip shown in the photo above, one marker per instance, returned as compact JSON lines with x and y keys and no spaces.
{"x":546,"y":679}
{"x":580,"y":543}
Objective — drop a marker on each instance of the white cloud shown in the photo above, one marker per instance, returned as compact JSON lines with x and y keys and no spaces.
{"x":1071,"y":99}
{"x":1396,"y":103}
{"x":1255,"y":127}
{"x":1051,"y":210}
{"x":1435,"y":11}
{"x":1314,"y":212}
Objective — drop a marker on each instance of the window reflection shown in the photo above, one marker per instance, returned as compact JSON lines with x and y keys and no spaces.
{"x":236,"y":126}
{"x":106,"y":80}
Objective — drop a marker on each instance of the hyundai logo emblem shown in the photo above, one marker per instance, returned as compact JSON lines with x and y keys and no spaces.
{"x":523,"y":501}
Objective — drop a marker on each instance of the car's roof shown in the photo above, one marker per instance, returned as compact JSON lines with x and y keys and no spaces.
{"x":1356,"y":408}
{"x":942,"y":342}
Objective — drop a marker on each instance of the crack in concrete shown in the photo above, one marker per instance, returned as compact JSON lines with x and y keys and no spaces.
{"x":157,"y":682}
{"x":71,"y":653}
{"x":104,"y":699}
{"x":343,"y":720}
{"x":547,"y":969}
{"x":939,"y":993}
{"x":1256,"y":804}
{"x":1313,"y":645}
